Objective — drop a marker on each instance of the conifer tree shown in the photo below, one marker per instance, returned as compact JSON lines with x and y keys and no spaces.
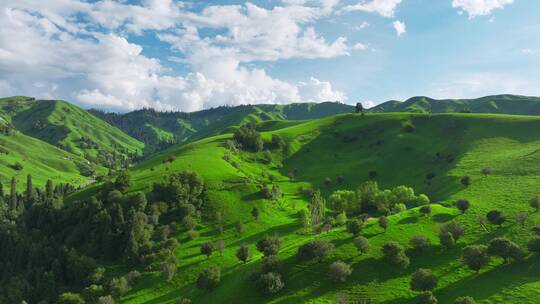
{"x":13,"y":194}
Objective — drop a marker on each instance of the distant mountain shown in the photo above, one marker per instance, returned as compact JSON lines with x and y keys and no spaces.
{"x":159,"y":130}
{"x":69,"y":128}
{"x":497,"y":104}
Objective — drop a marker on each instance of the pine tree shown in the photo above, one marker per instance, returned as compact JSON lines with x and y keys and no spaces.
{"x":317,"y":208}
{"x":1,"y":189}
{"x":29,"y":191}
{"x":49,"y":191}
{"x":13,"y":194}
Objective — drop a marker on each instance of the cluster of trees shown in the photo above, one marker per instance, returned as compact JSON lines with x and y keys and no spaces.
{"x":52,"y":252}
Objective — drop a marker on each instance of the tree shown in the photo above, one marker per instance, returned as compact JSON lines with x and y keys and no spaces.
{"x":423,"y":280}
{"x":496,"y":217}
{"x":1,"y":189}
{"x":317,"y":208}
{"x":271,"y":263}
{"x":466,"y":181}
{"x":269,"y":283}
{"x":425,"y":210}
{"x":249,"y":138}
{"x":243,"y":253}
{"x":70,"y":298}
{"x":535,"y":203}
{"x":394,"y":254}
{"x":184,"y":301}
{"x":317,"y":249}
{"x":534,"y":244}
{"x":354,"y":226}
{"x":427,"y":297}
{"x":454,"y":228}
{"x":446,"y":239}
{"x":339,"y":271}
{"x":119,"y":286}
{"x":344,"y":200}
{"x":168,"y":269}
{"x":361,"y":244}
{"x":239,"y":227}
{"x":13,"y":194}
{"x":123,"y":181}
{"x":29,"y":195}
{"x":105,"y":300}
{"x":341,"y":219}
{"x":505,"y":249}
{"x":521,"y":218}
{"x":359,"y":108}
{"x":465,"y":300}
{"x":475,"y":257}
{"x":420,"y":243}
{"x":463,"y":205}
{"x":304,"y":218}
{"x":209,"y":278}
{"x":383,"y":222}
{"x":269,"y":245}
{"x":255,"y":213}
{"x":207,"y":248}
{"x":220,"y":246}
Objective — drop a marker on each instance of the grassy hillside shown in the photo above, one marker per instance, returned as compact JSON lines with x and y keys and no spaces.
{"x":162,"y":129}
{"x":68,"y":127}
{"x":498,"y":104}
{"x":401,"y":149}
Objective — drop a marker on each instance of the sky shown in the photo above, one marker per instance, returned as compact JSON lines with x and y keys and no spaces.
{"x":192,"y":55}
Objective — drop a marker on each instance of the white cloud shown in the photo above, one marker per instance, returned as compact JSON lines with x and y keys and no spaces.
{"x":476,"y":8}
{"x":361,"y":26}
{"x":529,"y":51}
{"x":399,"y":27}
{"x":66,"y":58}
{"x":385,"y":8}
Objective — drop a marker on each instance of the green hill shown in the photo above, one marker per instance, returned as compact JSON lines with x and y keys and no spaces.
{"x":402,"y":149}
{"x":498,"y":104}
{"x":162,"y":129}
{"x":70,"y":128}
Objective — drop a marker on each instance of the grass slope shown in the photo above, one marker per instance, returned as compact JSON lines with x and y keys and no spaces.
{"x":497,"y":104}
{"x":64,"y":125}
{"x":351,"y":146}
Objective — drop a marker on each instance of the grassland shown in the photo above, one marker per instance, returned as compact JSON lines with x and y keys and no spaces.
{"x":450,"y":146}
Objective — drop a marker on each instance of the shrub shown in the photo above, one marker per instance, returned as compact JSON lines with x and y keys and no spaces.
{"x":496,"y":217}
{"x":395,"y":255}
{"x":486,"y":171}
{"x":243,"y":253}
{"x":423,"y":280}
{"x":271,"y":263}
{"x":255,"y":213}
{"x":466,"y":181}
{"x":220,"y":246}
{"x":18,"y":166}
{"x":463,"y":205}
{"x":341,"y":219}
{"x":427,"y":297}
{"x":454,"y":228}
{"x":207,"y":248}
{"x":465,"y":300}
{"x":269,"y":245}
{"x":420,"y":243}
{"x":354,"y":226}
{"x":535,"y":203}
{"x":361,"y":244}
{"x":239,"y":227}
{"x":425,"y":210}
{"x":475,"y":256}
{"x":248,"y":138}
{"x":70,"y":298}
{"x":105,"y":300}
{"x":383,"y":222}
{"x":446,"y":239}
{"x":504,"y":248}
{"x":317,"y":249}
{"x":119,"y":286}
{"x":209,"y":278}
{"x":269,"y":283}
{"x":192,"y":234}
{"x":339,"y":271}
{"x":534,"y":244}
{"x":168,"y":270}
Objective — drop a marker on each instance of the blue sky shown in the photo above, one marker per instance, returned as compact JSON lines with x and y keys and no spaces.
{"x":182,"y":55}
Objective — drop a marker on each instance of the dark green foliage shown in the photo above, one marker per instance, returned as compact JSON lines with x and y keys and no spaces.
{"x":317,"y":208}
{"x":119,"y":286}
{"x":475,"y":256}
{"x":423,"y":280}
{"x":269,"y":283}
{"x":271,"y":263}
{"x":534,"y":244}
{"x":207,"y":248}
{"x":18,"y":166}
{"x":13,"y":194}
{"x":535,"y":203}
{"x":123,"y":181}
{"x":255,"y":213}
{"x":496,"y":217}
{"x":466,"y":181}
{"x":505,"y":249}
{"x":383,"y":222}
{"x":420,"y":244}
{"x":395,"y":255}
{"x":243,"y":253}
{"x":361,"y":244}
{"x":70,"y":298}
{"x":454,"y":228}
{"x":465,"y":300}
{"x":463,"y":205}
{"x":209,"y":278}
{"x":317,"y":249}
{"x":446,"y":239}
{"x":339,"y":271}
{"x":425,"y":210}
{"x":179,"y":189}
{"x":248,"y":138}
{"x":269,"y":245}
{"x":427,"y":297}
{"x":354,"y":226}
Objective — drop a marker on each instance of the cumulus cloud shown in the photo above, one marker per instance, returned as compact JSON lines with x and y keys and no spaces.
{"x":361,"y":26}
{"x":476,"y":8}
{"x":385,"y":8}
{"x":80,"y":50}
{"x":399,"y":27}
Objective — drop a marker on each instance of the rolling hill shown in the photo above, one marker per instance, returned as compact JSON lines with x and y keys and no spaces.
{"x":402,"y":149}
{"x":68,"y":127}
{"x":497,"y":104}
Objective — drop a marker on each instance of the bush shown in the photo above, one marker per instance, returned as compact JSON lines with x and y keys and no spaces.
{"x":239,"y":227}
{"x":395,"y":254}
{"x":534,"y":244}
{"x":423,"y":280}
{"x":269,"y":283}
{"x":465,"y":300}
{"x":105,"y":300}
{"x":535,"y":203}
{"x":207,"y":249}
{"x":354,"y":226}
{"x":504,"y":248}
{"x":184,"y":301}
{"x":496,"y":217}
{"x":269,"y":245}
{"x":486,"y":171}
{"x":427,"y":297}
{"x":420,"y":243}
{"x":271,"y":263}
{"x":475,"y":256}
{"x":243,"y":253}
{"x":192,"y":234}
{"x":70,"y":298}
{"x":446,"y":239}
{"x":168,"y":270}
{"x":361,"y":244}
{"x":317,"y":249}
{"x":383,"y":222}
{"x":463,"y":205}
{"x":339,"y":271}
{"x":119,"y":286}
{"x":466,"y":181}
{"x":209,"y":278}
{"x":425,"y":210}
{"x":454,"y":228}
{"x":341,"y":219}
{"x":248,"y":138}
{"x":18,"y":166}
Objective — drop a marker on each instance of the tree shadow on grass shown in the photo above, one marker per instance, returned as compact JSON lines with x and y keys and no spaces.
{"x":443,"y":217}
{"x":408,"y":220}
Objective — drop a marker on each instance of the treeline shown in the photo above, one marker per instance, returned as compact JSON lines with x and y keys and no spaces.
{"x":52,"y":252}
